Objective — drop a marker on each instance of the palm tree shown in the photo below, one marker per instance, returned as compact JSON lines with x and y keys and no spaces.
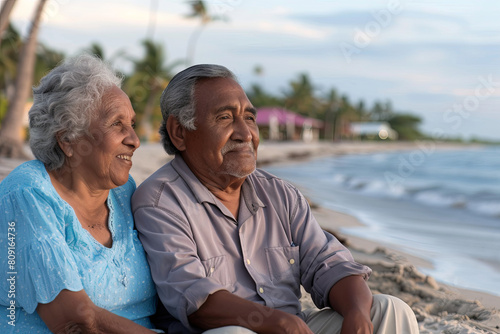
{"x":331,"y":105}
{"x":198,"y":10}
{"x":5,"y":14}
{"x":381,"y":111}
{"x":11,"y":139}
{"x":9,"y":56}
{"x":98,"y":50}
{"x":261,"y":98}
{"x":300,"y":97}
{"x":46,"y":59}
{"x":145,"y":85}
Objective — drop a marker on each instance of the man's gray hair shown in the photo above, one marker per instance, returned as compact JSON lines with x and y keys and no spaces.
{"x":178,"y":100}
{"x":64,"y":104}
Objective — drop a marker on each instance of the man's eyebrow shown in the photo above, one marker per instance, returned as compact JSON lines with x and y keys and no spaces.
{"x":234,"y":108}
{"x":252,"y":110}
{"x":226,"y":107}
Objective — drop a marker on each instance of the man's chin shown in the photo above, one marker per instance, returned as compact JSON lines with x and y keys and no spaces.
{"x":239,"y":172}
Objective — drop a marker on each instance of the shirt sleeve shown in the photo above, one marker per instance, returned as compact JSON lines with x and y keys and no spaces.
{"x":180,"y":277}
{"x":40,"y":264}
{"x":324,"y":260}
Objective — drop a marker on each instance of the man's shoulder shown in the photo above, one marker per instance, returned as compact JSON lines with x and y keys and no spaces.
{"x":267,"y":179}
{"x":149,"y":190}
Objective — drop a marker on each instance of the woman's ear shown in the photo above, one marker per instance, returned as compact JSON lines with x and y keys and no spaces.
{"x":176,"y":132}
{"x":65,"y":145}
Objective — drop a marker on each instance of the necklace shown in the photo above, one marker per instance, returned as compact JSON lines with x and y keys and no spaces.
{"x":96,"y":226}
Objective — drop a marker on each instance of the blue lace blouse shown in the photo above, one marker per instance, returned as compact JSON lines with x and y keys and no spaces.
{"x":44,"y":249}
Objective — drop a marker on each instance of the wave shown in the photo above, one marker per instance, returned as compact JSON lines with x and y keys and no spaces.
{"x":436,"y":195}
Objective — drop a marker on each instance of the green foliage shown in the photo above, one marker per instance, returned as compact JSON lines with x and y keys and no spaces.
{"x":9,"y":54}
{"x":46,"y":59}
{"x":3,"y":107}
{"x":300,"y":98}
{"x":406,"y":125}
{"x":151,"y":74}
{"x":381,"y":112}
{"x":260,"y":98}
{"x":144,"y":87}
{"x":337,"y":111}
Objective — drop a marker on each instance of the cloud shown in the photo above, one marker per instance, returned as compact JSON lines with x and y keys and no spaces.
{"x":361,"y":17}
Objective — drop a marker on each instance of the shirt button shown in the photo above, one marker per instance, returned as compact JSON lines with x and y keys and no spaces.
{"x":292,"y":261}
{"x":248,"y":261}
{"x":261,"y":290}
{"x":212,"y":269}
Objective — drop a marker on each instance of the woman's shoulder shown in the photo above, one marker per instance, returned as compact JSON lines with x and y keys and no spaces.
{"x":30,"y":174}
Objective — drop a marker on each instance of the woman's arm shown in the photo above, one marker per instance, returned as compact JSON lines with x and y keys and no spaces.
{"x":71,"y":311}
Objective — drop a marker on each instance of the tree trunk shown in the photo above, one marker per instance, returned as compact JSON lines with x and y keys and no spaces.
{"x":193,"y":39}
{"x":11,"y":139}
{"x":146,"y":120}
{"x":4,"y":15}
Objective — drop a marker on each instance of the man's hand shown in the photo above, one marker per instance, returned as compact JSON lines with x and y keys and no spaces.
{"x":356,"y":322}
{"x":222,"y":308}
{"x":286,"y":323}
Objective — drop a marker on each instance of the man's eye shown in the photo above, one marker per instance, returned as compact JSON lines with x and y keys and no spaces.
{"x":134,"y":126}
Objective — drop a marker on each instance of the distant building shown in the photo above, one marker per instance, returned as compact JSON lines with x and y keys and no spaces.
{"x":372,"y":130}
{"x":282,"y":124}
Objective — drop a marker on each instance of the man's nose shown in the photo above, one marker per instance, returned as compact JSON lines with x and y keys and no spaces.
{"x":241,"y":130}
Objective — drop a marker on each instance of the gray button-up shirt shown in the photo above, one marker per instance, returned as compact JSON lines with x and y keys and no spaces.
{"x":196,"y":247}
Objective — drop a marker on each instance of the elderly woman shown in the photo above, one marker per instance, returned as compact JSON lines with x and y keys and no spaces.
{"x":68,"y":245}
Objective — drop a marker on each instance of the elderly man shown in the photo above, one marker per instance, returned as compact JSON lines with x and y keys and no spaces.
{"x":230,"y":245}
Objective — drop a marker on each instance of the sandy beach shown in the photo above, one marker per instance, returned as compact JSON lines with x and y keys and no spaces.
{"x":439,"y":308}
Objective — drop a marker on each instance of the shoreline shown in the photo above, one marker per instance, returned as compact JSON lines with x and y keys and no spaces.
{"x":438,"y":307}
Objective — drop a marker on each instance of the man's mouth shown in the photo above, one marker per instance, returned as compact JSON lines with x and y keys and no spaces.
{"x":238,"y":147}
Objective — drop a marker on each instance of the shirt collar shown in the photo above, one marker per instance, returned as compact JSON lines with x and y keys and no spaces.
{"x":202,"y":194}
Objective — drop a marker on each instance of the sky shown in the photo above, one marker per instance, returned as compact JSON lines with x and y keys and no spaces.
{"x":435,"y":59}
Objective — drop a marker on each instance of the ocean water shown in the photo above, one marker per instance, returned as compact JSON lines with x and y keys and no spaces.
{"x":443,"y":206}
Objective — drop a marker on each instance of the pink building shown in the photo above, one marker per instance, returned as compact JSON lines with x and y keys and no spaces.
{"x":281,"y":124}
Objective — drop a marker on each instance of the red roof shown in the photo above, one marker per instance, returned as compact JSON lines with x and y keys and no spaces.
{"x":283,"y":116}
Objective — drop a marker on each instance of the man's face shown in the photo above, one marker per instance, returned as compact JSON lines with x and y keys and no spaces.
{"x":226,"y":138}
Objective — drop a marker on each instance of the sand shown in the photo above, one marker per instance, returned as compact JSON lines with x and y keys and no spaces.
{"x":438,"y":308}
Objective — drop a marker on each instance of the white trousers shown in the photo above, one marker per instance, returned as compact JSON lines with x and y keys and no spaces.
{"x":389,"y":315}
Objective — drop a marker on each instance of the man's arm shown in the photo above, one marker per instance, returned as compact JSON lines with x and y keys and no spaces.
{"x":72,"y":312}
{"x":352,"y":298}
{"x":222,"y":308}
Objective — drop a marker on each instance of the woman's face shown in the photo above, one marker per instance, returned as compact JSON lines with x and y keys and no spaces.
{"x":104,"y":159}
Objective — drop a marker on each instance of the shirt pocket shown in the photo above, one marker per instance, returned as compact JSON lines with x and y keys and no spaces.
{"x":284,"y":265}
{"x":218,"y":269}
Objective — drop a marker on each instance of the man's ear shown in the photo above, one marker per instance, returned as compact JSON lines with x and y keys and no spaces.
{"x":65,"y":145}
{"x":176,"y":132}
